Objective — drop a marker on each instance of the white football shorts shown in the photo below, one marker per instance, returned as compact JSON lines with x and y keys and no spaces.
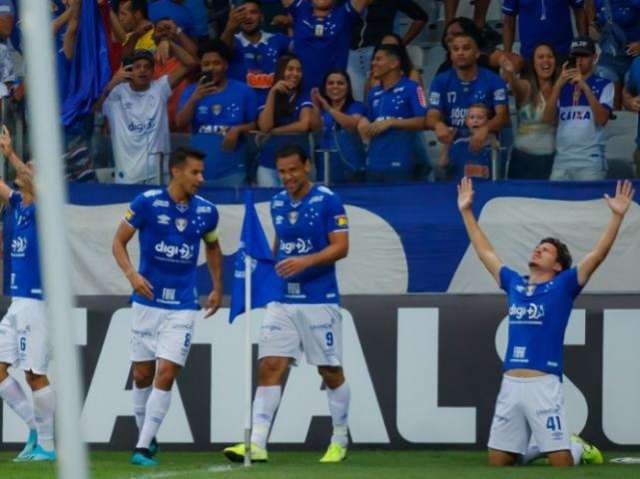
{"x":289,"y":329}
{"x":24,"y":336}
{"x":530,"y":409}
{"x":162,"y":333}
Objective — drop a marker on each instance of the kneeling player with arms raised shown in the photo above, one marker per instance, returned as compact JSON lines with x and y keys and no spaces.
{"x":311,"y":235}
{"x":531,"y":401}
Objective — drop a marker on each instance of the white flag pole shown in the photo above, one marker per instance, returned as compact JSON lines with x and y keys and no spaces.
{"x":248,"y":353}
{"x":44,"y":120}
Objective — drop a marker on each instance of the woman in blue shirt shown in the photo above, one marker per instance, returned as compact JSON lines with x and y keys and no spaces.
{"x":336,"y":116}
{"x":285,"y":117}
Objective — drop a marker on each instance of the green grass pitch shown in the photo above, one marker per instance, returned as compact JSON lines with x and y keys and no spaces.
{"x":304,"y":465}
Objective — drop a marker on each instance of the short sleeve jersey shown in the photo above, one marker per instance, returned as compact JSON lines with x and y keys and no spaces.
{"x":139,"y":124}
{"x":22,"y":257}
{"x":543,"y":21}
{"x":170,"y":234}
{"x":538,"y":317}
{"x":255,"y":64}
{"x":322,"y":43}
{"x":453,"y":97}
{"x":579,"y":141}
{"x":393,"y":149}
{"x":214,"y":115}
{"x":303,"y":228}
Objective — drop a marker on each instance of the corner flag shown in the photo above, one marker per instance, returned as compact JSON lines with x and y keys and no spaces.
{"x":266,"y":285}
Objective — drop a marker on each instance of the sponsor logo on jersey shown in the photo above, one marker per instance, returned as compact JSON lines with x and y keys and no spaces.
{"x":279,"y":219}
{"x":341,"y":220}
{"x":530,"y":312}
{"x":163,"y":219}
{"x":19,"y":246}
{"x":575,"y":115}
{"x":299,"y":246}
{"x":434,"y":98}
{"x":181,"y":224}
{"x":183,"y":252}
{"x":500,"y":94}
{"x":203,"y":209}
{"x":277,"y":204}
{"x":160,"y":203}
{"x":293,"y":217}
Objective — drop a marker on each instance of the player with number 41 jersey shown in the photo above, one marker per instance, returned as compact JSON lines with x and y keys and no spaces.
{"x":529,"y":419}
{"x":171,"y":224}
{"x":311,"y":235}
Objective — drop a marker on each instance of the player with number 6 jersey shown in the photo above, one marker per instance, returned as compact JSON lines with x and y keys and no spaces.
{"x":171,"y":223}
{"x":311,"y":235}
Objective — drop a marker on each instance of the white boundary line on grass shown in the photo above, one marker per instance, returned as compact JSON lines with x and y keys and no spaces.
{"x":162,"y":475}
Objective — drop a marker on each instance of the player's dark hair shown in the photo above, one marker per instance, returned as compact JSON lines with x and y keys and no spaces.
{"x":405,"y":60}
{"x":180,"y":156}
{"x":140,"y":6}
{"x":393,"y":51}
{"x":469,"y":27}
{"x":292,"y":149}
{"x":563,"y":256}
{"x":215,"y":46}
{"x":348,"y":100}
{"x":465,"y":35}
{"x":285,"y":105}
{"x":529,"y":73}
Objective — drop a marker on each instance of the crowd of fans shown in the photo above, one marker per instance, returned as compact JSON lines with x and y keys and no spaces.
{"x":238,"y":80}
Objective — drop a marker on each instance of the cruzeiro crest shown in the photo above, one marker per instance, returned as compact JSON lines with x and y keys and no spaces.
{"x":181,"y":224}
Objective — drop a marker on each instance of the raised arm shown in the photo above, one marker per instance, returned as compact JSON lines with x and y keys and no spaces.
{"x":6,"y":147}
{"x":480,"y":242}
{"x":619,"y":205}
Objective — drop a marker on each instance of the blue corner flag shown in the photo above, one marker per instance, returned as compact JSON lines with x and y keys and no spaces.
{"x":266,"y":285}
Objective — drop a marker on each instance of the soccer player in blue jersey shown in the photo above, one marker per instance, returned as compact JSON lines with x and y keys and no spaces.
{"x":530,"y":402}
{"x":453,"y":91}
{"x":311,"y":235}
{"x":171,"y":223}
{"x":24,"y":328}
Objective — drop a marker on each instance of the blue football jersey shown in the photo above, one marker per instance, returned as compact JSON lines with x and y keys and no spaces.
{"x":303,"y":228}
{"x":255,"y":64}
{"x":322,"y":43}
{"x":214,"y":115}
{"x":538,"y":317}
{"x":453,"y":97}
{"x":170,"y":235}
{"x":393,"y":149}
{"x":22,"y":257}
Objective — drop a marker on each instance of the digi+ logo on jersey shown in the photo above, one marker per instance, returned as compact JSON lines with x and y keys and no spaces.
{"x":183,"y":252}
{"x":300,"y":246}
{"x":141,"y":127}
{"x":530,"y":312}
{"x":19,"y":246}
